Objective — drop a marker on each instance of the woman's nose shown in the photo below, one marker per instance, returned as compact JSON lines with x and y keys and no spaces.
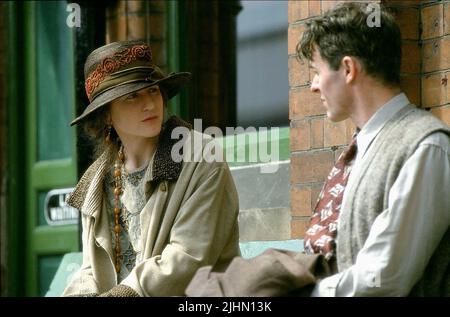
{"x":148,"y":102}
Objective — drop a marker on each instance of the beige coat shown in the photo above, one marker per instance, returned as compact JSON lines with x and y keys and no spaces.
{"x":189,"y":222}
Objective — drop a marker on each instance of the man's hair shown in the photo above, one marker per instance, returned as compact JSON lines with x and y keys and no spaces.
{"x":345,"y":31}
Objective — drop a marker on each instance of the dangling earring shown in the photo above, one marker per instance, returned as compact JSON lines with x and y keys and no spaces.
{"x":117,"y":210}
{"x":108,"y":134}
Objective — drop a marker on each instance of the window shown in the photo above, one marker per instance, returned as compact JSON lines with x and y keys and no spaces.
{"x":262,"y":68}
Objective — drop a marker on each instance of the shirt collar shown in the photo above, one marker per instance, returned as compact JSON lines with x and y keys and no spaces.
{"x":371,"y":129}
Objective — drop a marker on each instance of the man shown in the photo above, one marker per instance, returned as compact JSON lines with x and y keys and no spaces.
{"x":383,"y":216}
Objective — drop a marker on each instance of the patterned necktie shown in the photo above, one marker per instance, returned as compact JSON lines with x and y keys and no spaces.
{"x":321,"y":234}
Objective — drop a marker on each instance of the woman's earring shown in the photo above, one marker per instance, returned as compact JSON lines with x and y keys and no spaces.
{"x":108,"y":134}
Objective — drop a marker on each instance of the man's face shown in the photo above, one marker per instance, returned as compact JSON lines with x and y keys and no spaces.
{"x":332,"y":87}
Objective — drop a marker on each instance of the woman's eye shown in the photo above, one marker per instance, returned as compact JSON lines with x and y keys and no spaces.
{"x":154,"y":90}
{"x":131,"y":96}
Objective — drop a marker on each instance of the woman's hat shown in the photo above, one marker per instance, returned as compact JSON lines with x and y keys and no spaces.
{"x":120,"y":68}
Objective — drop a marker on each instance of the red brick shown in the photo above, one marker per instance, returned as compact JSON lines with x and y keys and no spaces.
{"x":447,"y":18}
{"x":116,"y":29}
{"x":121,"y":25}
{"x":315,"y":191}
{"x":436,"y":55}
{"x":294,"y":35}
{"x":303,"y":102}
{"x":334,"y":133}
{"x":135,"y":6}
{"x":442,"y":113}
{"x":314,"y":7}
{"x":311,"y":166}
{"x":410,"y":84}
{"x":328,"y":4}
{"x":434,"y":90}
{"x":408,"y":21}
{"x":317,"y":133}
{"x":410,"y":58}
{"x":136,"y":27}
{"x":119,"y":8}
{"x":297,"y":10}
{"x":298,"y":228}
{"x":432,"y":22}
{"x":300,"y":135}
{"x":298,"y":72}
{"x":301,"y":201}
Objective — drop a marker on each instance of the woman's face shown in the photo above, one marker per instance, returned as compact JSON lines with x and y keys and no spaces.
{"x":138,"y":114}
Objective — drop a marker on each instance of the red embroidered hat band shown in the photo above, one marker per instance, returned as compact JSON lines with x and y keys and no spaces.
{"x":120,"y":68}
{"x":126,"y":76}
{"x":115,"y":62}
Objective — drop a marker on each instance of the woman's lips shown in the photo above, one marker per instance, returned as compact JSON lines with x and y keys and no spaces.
{"x":149,"y":118}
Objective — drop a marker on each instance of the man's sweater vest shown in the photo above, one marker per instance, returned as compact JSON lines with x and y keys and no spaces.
{"x":367,"y":195}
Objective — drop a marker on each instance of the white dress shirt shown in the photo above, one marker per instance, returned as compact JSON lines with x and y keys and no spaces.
{"x":403,"y":237}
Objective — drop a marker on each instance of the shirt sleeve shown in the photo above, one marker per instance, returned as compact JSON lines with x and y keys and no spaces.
{"x":405,"y":235}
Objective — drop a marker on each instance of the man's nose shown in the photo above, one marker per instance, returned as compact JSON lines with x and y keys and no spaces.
{"x":315,"y":84}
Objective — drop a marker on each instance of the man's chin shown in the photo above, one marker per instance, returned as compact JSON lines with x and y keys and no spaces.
{"x":335,"y":118}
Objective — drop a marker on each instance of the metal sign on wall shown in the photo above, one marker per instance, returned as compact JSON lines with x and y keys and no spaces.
{"x":57,"y":212}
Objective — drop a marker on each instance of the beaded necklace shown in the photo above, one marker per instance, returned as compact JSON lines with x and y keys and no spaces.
{"x":117,"y":209}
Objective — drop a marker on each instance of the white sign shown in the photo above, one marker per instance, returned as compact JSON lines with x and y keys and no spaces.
{"x":56,"y":210}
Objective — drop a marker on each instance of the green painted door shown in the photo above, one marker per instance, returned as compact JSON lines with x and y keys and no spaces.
{"x":50,"y":150}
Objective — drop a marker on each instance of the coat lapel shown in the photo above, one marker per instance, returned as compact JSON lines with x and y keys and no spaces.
{"x":88,"y":194}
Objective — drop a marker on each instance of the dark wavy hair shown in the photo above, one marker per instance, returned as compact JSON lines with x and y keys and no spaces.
{"x":344,"y":31}
{"x":95,"y":129}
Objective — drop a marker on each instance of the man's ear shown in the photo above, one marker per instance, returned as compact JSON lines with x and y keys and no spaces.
{"x":351,"y":68}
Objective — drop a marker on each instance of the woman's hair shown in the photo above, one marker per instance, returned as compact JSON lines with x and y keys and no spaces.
{"x":95,"y":129}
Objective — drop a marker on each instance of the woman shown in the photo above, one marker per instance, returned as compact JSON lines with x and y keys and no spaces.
{"x":149,"y":221}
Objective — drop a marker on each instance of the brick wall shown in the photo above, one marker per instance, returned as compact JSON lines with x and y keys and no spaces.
{"x":316,"y":142}
{"x":436,"y":58}
{"x":139,"y":20}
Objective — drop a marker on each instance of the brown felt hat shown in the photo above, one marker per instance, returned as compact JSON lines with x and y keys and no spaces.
{"x":120,"y":68}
